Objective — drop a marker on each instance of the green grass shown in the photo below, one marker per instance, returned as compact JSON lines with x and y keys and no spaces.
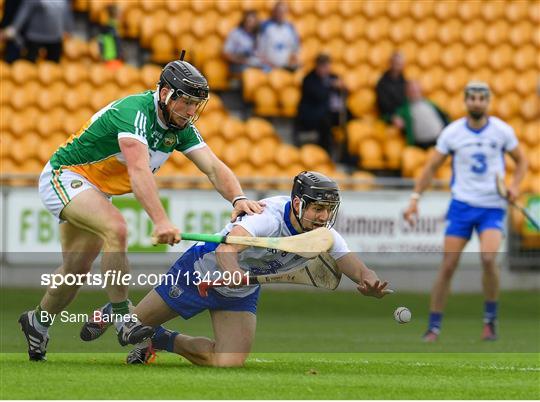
{"x":309,"y":345}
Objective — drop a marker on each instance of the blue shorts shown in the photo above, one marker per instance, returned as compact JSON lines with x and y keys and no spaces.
{"x":184,"y":298}
{"x":462,"y":219}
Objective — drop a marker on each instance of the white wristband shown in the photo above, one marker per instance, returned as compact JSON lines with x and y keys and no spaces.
{"x":240,"y":197}
{"x":415,"y":196}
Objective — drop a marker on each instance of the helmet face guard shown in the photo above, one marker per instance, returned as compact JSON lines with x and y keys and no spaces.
{"x":185,"y":83}
{"x":313,"y":187}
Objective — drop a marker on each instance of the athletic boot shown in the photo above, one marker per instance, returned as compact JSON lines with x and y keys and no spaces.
{"x":143,"y":353}
{"x":37,"y":342}
{"x":431,"y":335}
{"x":133,"y":332}
{"x":97,"y":324}
{"x":490,"y":331}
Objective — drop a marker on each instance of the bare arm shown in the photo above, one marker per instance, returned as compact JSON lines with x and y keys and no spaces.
{"x":519,"y":157}
{"x":422,"y":183}
{"x":224,"y":181}
{"x":227,"y":254}
{"x":368,"y":282}
{"x":145,"y":189}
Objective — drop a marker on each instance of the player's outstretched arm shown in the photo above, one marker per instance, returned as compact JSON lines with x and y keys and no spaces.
{"x":436,"y":160}
{"x":367,"y":280}
{"x":522,"y":164}
{"x":145,"y":189}
{"x":225,"y":182}
{"x":227,"y":254}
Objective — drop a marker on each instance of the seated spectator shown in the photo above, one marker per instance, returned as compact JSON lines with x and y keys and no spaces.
{"x":44,"y":23}
{"x":390,"y":88}
{"x":278,"y":42}
{"x":13,"y":46}
{"x":420,"y":119}
{"x":110,"y":48}
{"x":239,"y":48}
{"x":322,"y":105}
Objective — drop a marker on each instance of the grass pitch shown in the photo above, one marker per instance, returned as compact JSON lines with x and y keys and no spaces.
{"x":309,"y":345}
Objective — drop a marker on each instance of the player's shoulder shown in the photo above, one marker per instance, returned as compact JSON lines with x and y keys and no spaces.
{"x":455,"y":126}
{"x":276,"y":203}
{"x":265,"y":25}
{"x":499,"y":124}
{"x":139,"y":102}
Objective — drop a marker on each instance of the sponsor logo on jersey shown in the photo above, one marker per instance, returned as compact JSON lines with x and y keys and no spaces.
{"x":175,"y":292}
{"x":76,"y":183}
{"x":169,"y":140}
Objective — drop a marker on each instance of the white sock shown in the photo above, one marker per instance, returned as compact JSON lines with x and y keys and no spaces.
{"x":42,"y":329}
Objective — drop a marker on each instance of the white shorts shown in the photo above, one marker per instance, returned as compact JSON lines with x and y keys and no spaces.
{"x":58,"y":187}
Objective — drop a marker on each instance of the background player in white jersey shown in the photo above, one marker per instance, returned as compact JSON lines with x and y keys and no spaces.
{"x":313,"y":203}
{"x":477,"y":144}
{"x":117,"y":152}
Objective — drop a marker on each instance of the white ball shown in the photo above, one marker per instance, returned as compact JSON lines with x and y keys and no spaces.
{"x":402,"y":315}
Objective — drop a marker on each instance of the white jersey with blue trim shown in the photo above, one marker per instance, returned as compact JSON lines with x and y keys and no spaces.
{"x":274,"y":221}
{"x":477,"y":157}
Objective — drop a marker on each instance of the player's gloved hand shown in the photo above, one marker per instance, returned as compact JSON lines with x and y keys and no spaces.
{"x":376,"y":289}
{"x":249,"y":207}
{"x":411,"y":213}
{"x":165,"y":233}
{"x":513,"y":193}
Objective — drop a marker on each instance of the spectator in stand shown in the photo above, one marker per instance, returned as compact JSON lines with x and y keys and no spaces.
{"x":13,"y":46}
{"x":278,"y":42}
{"x":110,"y":48}
{"x":419,"y":118}
{"x":390,"y":88}
{"x":240,"y":45}
{"x":322,"y":105}
{"x":44,"y":22}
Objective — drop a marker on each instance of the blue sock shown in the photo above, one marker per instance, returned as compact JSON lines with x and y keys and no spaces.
{"x":490,"y":311}
{"x":163,"y":339}
{"x":435,"y":320}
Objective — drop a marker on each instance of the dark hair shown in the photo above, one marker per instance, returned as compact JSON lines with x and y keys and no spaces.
{"x":322,"y":59}
{"x":247,"y":13}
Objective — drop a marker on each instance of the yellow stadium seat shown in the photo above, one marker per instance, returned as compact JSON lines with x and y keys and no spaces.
{"x":237,"y":152}
{"x":477,"y":56}
{"x":371,"y":154}
{"x":162,"y":48}
{"x":426,"y":30}
{"x":149,"y":75}
{"x":227,"y":23}
{"x":516,"y":11}
{"x":335,"y":48}
{"x":149,"y":6}
{"x":497,"y":33}
{"x":329,"y":27}
{"x":80,"y":5}
{"x":126,"y":75}
{"x":262,"y":153}
{"x":199,"y":8}
{"x":398,"y":9}
{"x":102,"y":96}
{"x":25,"y":96}
{"x":452,"y":56}
{"x":530,"y":107}
{"x":455,"y":106}
{"x":5,"y":71}
{"x":373,"y":9}
{"x":206,"y":127}
{"x":216,"y":72}
{"x":357,"y":131}
{"x":378,"y":30}
{"x":533,"y":157}
{"x":286,"y":155}
{"x":5,"y":119}
{"x":50,"y":122}
{"x":483,"y":74}
{"x":349,"y":8}
{"x":450,"y":31}
{"x":527,"y":82}
{"x":492,"y":10}
{"x":393,"y":149}
{"x":50,"y":97}
{"x":380,"y":53}
{"x":98,"y":74}
{"x":225,"y":7}
{"x":326,"y":8}
{"x":23,"y":122}
{"x":420,"y":10}
{"x":412,"y":158}
{"x":151,"y":25}
{"x":75,"y":73}
{"x":507,"y":106}
{"x":217,"y":145}
{"x":243,"y":170}
{"x":77,"y":97}
{"x":352,"y":29}
{"x":132,"y":21}
{"x":74,"y":49}
{"x":48,"y":72}
{"x":252,"y":78}
{"x":473,"y":32}
{"x":445,"y":9}
{"x":289,"y":98}
{"x":361,"y":102}
{"x":356,"y":78}
{"x":258,"y":128}
{"x":312,"y":155}
{"x":309,"y":50}
{"x":278,"y":79}
{"x":266,"y":102}
{"x":233,"y":128}
{"x":429,"y":55}
{"x":401,"y":30}
{"x":205,"y":24}
{"x":469,"y":10}
{"x":526,"y":57}
{"x":521,"y":33}
{"x":432,"y":79}
{"x":363,"y":180}
{"x":501,"y":57}
{"x":409,"y":48}
{"x":23,"y":71}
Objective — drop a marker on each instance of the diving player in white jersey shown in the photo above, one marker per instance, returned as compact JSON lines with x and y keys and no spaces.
{"x":477,"y":144}
{"x":313,"y":203}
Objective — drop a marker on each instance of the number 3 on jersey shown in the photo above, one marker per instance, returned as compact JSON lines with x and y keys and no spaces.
{"x":480,"y":164}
